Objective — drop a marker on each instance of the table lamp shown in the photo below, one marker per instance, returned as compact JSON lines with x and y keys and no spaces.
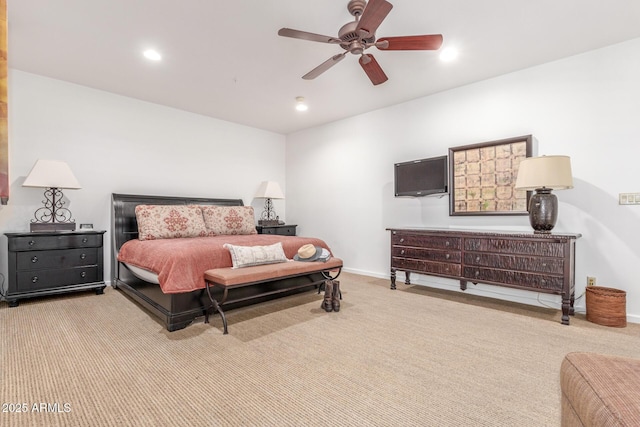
{"x":52,"y":175}
{"x":269,"y":190}
{"x":544,"y":174}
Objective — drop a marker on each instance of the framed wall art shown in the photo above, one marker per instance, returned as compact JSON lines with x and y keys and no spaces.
{"x":4,"y":132}
{"x":483,"y":176}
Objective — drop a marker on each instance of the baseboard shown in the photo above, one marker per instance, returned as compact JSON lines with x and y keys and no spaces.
{"x":508,"y":294}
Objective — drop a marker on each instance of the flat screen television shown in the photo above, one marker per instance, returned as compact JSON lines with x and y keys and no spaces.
{"x":422,"y":177}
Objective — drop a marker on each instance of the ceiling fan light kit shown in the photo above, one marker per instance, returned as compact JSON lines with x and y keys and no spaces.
{"x":359,"y":35}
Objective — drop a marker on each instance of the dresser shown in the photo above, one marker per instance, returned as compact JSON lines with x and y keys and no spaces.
{"x":282,"y":230}
{"x":48,"y":263}
{"x":537,"y":262}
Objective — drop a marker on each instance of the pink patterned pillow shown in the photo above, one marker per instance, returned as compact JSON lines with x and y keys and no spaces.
{"x":229,"y":219}
{"x":168,"y":222}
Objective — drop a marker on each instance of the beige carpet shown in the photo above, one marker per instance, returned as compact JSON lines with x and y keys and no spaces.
{"x":411,"y":357}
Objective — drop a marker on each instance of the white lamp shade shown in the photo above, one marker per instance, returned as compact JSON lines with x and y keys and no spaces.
{"x":552,"y":172}
{"x":51,"y":174}
{"x":269,"y":190}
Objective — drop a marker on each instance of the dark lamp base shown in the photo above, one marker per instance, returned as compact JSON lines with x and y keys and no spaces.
{"x":543,"y":211}
{"x":52,"y":226}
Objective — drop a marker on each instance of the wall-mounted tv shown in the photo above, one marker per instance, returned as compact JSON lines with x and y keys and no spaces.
{"x":421,"y":177}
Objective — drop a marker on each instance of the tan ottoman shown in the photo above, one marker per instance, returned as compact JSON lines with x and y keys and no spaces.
{"x":600,"y":390}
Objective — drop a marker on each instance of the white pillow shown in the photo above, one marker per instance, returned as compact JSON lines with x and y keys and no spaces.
{"x":246,"y":256}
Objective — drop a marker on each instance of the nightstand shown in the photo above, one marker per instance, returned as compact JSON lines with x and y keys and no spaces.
{"x":282,"y":230}
{"x":49,"y":263}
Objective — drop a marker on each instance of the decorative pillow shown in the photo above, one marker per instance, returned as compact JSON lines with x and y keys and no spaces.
{"x":246,"y":256}
{"x":168,"y":222}
{"x":229,"y":219}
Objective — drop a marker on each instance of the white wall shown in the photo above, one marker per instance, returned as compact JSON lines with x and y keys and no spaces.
{"x":115,"y":144}
{"x":340,"y":176}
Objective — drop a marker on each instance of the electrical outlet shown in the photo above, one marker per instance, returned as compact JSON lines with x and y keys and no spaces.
{"x":591,"y":281}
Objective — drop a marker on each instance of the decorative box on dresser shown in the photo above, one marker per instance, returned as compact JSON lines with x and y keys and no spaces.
{"x":525,"y":260}
{"x":48,"y":263}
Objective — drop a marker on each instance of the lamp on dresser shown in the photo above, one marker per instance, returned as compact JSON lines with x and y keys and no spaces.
{"x":53,"y":176}
{"x":269,"y":190}
{"x":544,"y":174}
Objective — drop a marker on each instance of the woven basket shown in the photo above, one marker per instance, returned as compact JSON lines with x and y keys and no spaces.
{"x":607,"y":306}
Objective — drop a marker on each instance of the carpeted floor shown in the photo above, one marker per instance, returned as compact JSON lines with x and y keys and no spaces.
{"x":411,"y":357}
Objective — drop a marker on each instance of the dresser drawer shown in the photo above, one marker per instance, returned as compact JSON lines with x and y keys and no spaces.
{"x":40,"y":243}
{"x":515,"y":278}
{"x":46,"y":279}
{"x":425,"y":241}
{"x":426,"y":254}
{"x":56,"y":259}
{"x":521,"y":247}
{"x":513,"y":262}
{"x":419,"y":266}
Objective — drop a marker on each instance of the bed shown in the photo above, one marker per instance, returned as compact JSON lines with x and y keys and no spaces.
{"x":176,"y":301}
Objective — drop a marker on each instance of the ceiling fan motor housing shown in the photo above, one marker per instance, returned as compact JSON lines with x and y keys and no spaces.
{"x":349,"y":35}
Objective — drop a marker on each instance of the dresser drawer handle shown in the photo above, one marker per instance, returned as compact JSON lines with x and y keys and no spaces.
{"x":83,"y":274}
{"x":477,"y":259}
{"x":34,"y":259}
{"x":544,"y":264}
{"x":447,"y":243}
{"x":477,"y":273}
{"x":32,"y":242}
{"x":85,"y":240}
{"x":34,"y":279}
{"x":402,"y":252}
{"x":447,"y":256}
{"x":83,"y":256}
{"x":402,"y":240}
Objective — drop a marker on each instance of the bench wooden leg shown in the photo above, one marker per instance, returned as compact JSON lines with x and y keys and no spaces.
{"x":216,"y":306}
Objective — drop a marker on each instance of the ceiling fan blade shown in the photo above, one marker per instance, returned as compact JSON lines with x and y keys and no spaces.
{"x":373,"y":15}
{"x":373,"y":69}
{"x":296,"y":34}
{"x":324,"y":66}
{"x":428,"y":42}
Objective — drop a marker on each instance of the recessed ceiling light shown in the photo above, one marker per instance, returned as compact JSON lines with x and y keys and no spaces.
{"x":300,"y":104}
{"x":152,"y":55}
{"x":448,"y":54}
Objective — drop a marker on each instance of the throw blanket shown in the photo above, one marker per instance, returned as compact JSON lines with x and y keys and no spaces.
{"x":180,"y":263}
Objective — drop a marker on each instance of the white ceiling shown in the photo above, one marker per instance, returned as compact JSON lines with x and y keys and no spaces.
{"x":224,"y":59}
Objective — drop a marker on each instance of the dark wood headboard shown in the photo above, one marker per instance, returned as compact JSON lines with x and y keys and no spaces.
{"x":124,"y":225}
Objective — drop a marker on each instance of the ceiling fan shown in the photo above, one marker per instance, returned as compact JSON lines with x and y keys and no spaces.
{"x":357,"y":36}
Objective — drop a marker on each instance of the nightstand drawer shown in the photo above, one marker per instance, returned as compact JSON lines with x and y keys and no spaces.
{"x":37,"y":260}
{"x":35,"y":242}
{"x":46,"y":279}
{"x":287,"y":230}
{"x":282,"y":230}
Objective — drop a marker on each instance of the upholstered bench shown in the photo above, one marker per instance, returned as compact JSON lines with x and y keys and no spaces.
{"x":600,"y":390}
{"x":230,"y":279}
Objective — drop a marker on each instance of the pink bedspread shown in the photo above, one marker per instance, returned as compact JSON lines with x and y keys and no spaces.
{"x":181,"y":263}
